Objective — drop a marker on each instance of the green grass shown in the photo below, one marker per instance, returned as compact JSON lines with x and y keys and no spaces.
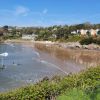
{"x":80,"y":94}
{"x":74,"y":94}
{"x":74,"y":38}
{"x":82,"y":86}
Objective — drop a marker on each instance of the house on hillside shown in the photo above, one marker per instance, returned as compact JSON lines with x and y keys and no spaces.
{"x":29,"y":36}
{"x":83,"y":32}
{"x":74,"y":32}
{"x":91,"y":32}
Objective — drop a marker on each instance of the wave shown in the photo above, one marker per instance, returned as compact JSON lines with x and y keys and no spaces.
{"x":53,"y":65}
{"x":5,"y":54}
{"x":37,"y":53}
{"x":10,"y":44}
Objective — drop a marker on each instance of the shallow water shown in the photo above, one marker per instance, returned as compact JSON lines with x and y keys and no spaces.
{"x":22,"y":66}
{"x":25,"y":65}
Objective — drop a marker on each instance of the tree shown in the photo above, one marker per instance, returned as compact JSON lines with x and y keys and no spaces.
{"x":5,"y":29}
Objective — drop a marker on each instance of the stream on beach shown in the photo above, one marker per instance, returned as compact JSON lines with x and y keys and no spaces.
{"x":28,"y":64}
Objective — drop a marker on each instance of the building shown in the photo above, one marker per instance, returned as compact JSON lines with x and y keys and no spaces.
{"x":91,"y":32}
{"x":74,"y":32}
{"x":83,"y":32}
{"x":29,"y":37}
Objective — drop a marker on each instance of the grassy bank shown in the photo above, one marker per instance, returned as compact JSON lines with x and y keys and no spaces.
{"x":82,"y":86}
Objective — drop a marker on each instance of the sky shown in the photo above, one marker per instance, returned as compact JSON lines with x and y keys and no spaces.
{"x":48,"y":12}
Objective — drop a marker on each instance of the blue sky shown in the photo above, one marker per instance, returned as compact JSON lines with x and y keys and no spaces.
{"x":48,"y":12}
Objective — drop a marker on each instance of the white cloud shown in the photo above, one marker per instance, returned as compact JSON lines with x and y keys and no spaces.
{"x":21,"y":10}
{"x":45,"y":11}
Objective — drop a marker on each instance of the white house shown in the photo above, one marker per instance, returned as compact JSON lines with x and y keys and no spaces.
{"x":93,"y":32}
{"x":83,"y":32}
{"x":29,"y":37}
{"x":74,"y":32}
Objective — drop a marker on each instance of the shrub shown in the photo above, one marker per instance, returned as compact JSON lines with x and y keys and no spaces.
{"x":90,"y":40}
{"x":86,"y":41}
{"x":86,"y":82}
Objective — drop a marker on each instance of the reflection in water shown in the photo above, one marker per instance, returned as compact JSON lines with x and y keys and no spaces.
{"x":77,"y":57}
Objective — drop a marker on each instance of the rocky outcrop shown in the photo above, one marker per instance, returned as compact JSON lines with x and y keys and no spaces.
{"x":77,"y":45}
